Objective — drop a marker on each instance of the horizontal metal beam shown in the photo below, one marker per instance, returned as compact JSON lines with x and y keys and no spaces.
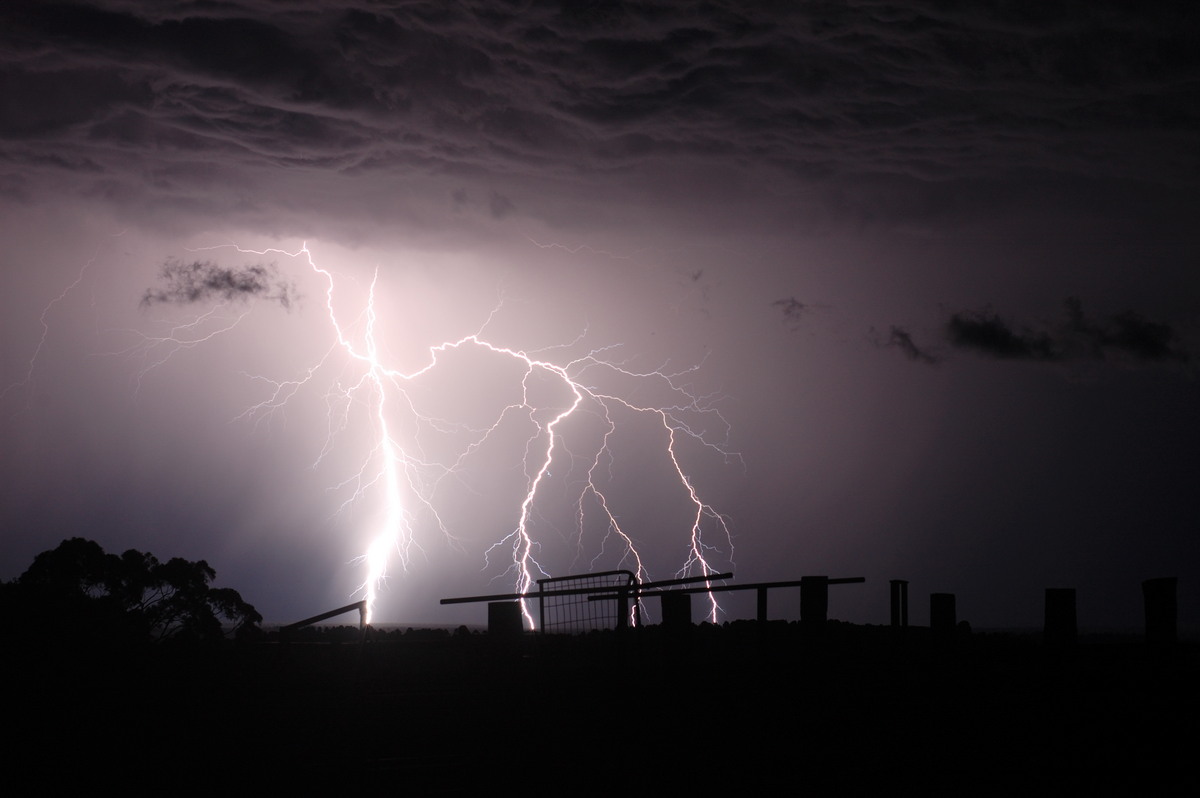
{"x":687,"y":580}
{"x":845,"y":580}
{"x":610,"y":592}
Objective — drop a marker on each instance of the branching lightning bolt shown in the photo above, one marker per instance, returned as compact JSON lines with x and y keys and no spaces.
{"x":397,"y":468}
{"x":43,"y":319}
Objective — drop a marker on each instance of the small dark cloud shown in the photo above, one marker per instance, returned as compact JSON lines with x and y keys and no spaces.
{"x":1127,"y":336}
{"x":185,"y":283}
{"x":792,"y":309}
{"x":988,"y":334}
{"x":1143,"y":339}
{"x":902,"y":340}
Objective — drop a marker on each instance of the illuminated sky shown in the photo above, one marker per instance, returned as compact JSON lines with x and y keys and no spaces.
{"x":938,"y":270}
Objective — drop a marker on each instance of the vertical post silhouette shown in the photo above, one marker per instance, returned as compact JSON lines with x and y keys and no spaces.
{"x":899,"y":602}
{"x":942,"y":613}
{"x":1060,"y":626}
{"x":814,"y":600}
{"x":1161,"y":610}
{"x":504,"y":619}
{"x":676,"y":610}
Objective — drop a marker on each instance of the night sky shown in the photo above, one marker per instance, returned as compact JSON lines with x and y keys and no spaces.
{"x":924,"y":279}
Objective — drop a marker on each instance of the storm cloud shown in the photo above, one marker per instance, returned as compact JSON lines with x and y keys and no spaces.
{"x":189,"y":282}
{"x":890,"y":108}
{"x":1127,"y":336}
{"x":986,"y":333}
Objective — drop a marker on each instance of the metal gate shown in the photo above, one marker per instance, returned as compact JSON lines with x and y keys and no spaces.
{"x":581,"y":603}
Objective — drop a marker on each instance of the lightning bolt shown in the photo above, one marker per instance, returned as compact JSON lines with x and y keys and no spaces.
{"x":576,"y":249}
{"x":156,"y":350}
{"x":44,"y":320}
{"x":400,"y":482}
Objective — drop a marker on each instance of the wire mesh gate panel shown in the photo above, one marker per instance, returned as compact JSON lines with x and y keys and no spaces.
{"x":566,"y":604}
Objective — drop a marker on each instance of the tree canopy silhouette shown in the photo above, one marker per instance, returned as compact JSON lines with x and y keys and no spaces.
{"x":81,"y":588}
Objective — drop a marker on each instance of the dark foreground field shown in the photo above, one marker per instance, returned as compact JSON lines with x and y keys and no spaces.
{"x":852,"y":710}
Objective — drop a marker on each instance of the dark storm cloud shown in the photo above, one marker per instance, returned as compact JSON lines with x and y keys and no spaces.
{"x":1126,"y":335}
{"x":986,"y":333}
{"x":185,"y":283}
{"x":1123,"y":337}
{"x":885,"y":94}
{"x":1133,"y":335}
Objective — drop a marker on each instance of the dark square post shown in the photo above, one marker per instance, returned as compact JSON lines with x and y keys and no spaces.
{"x":1060,"y":626}
{"x":676,"y":610}
{"x":942,"y":613}
{"x":504,"y":619}
{"x":1161,"y":610}
{"x":814,"y":600}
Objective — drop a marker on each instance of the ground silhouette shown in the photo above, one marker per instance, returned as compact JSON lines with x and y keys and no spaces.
{"x":119,"y":672}
{"x":766,"y":707}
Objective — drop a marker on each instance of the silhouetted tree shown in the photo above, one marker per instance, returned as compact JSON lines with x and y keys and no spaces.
{"x":83,"y":589}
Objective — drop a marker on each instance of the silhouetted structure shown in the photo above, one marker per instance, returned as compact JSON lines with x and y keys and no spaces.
{"x":561,"y":609}
{"x":361,"y":606}
{"x":899,"y":594}
{"x":504,"y":619}
{"x":1161,"y":611}
{"x":942,"y":613}
{"x":676,"y":610}
{"x":814,"y":600}
{"x":818,"y":586}
{"x":763,"y":588}
{"x":609,"y":588}
{"x":1060,"y":627}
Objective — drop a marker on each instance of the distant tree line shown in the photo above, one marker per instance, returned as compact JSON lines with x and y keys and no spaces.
{"x":79,"y":592}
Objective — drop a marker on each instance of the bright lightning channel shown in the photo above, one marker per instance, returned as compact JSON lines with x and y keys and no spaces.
{"x":400,"y":475}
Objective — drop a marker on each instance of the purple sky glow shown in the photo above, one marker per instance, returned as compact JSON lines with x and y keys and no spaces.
{"x":929,"y":277}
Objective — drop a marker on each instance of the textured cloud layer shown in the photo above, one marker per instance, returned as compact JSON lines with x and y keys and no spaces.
{"x":208,"y":106}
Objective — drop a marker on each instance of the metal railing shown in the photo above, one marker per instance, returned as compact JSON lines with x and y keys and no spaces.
{"x":610,"y":589}
{"x":561,"y":609}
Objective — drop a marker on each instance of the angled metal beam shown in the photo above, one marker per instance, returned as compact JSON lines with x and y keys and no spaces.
{"x":361,"y":606}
